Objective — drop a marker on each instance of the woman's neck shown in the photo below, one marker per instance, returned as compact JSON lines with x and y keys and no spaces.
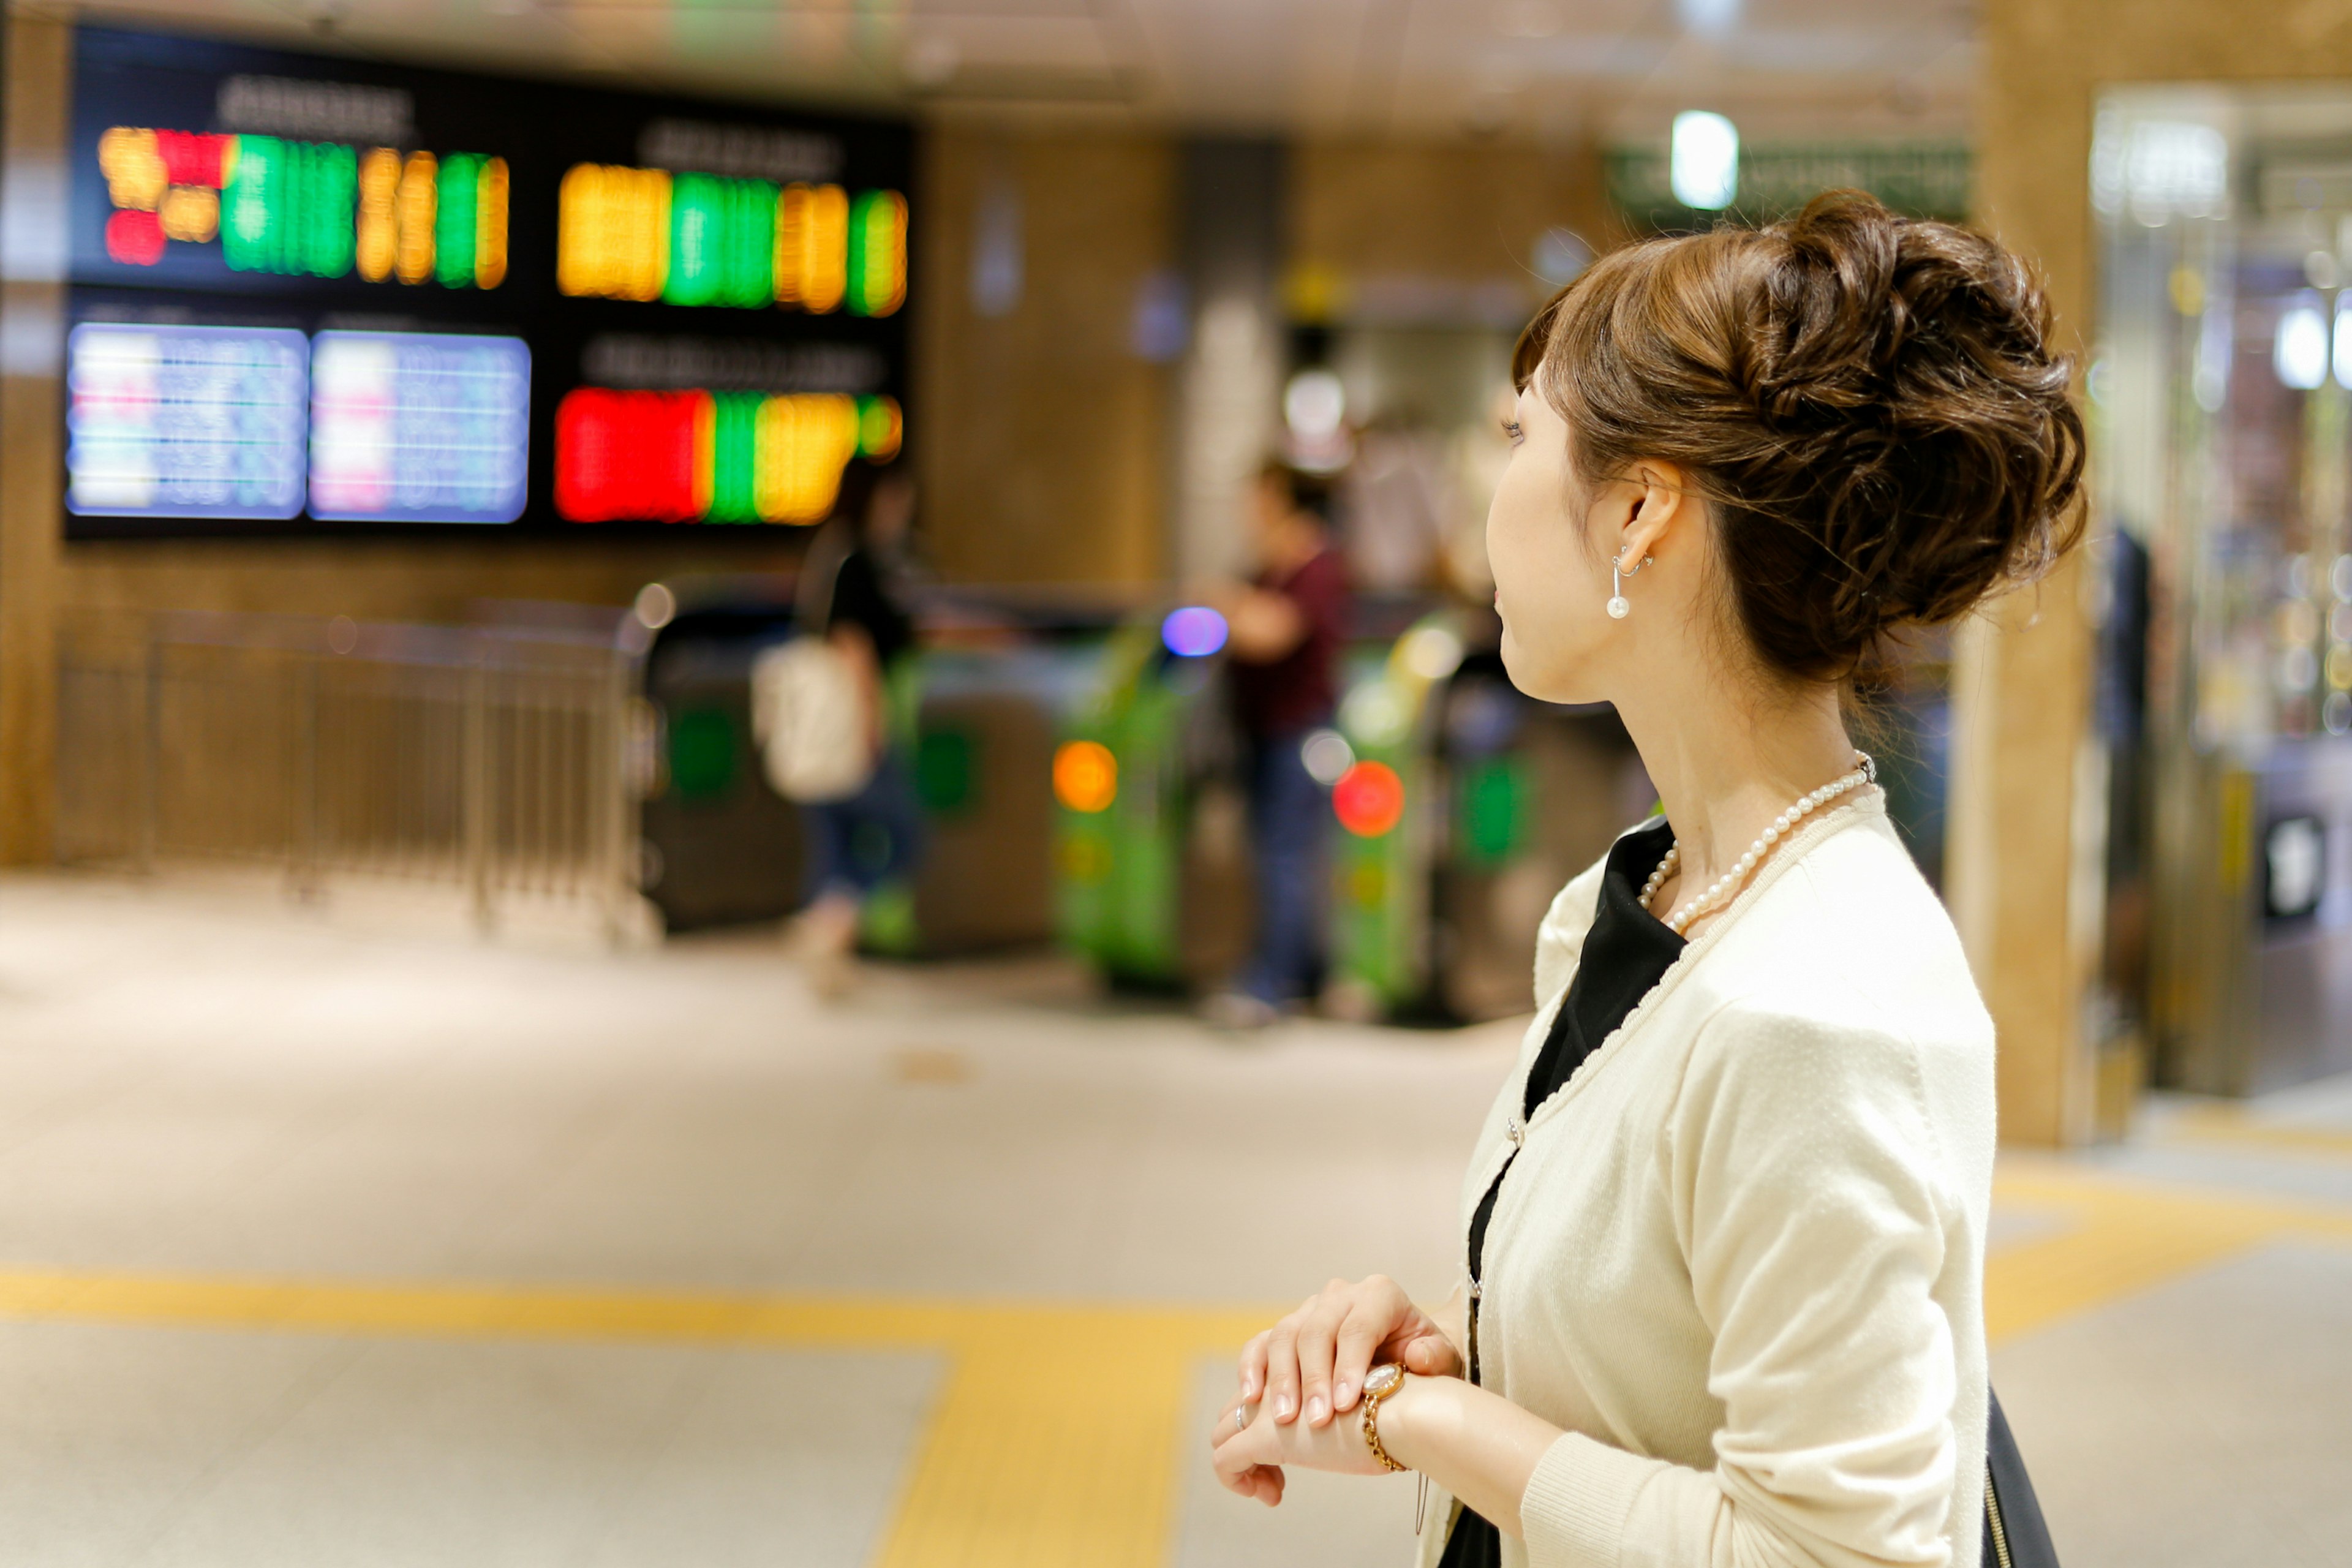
{"x":1726,"y":762}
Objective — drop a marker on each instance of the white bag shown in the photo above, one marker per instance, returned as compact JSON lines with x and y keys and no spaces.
{"x":808,"y":715}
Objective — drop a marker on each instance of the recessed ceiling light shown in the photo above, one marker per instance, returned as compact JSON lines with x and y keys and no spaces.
{"x":1711,"y":17}
{"x":1705,"y":166}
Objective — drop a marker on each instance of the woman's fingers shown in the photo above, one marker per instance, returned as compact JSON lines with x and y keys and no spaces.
{"x":1367,"y":1328}
{"x":1232,"y":1422}
{"x":1282,"y":1367}
{"x":1432,"y":1354}
{"x":1252,"y":1368}
{"x":1263,"y":1482}
{"x":1317,"y":1336}
{"x":1240,"y":1453}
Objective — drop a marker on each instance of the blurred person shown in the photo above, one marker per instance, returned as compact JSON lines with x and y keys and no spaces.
{"x":854,"y":844}
{"x":1285,"y":628}
{"x":1392,"y":503}
{"x":1724,"y":1231}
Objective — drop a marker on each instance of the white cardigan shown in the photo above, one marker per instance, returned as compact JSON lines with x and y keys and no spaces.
{"x":1739,"y":1258}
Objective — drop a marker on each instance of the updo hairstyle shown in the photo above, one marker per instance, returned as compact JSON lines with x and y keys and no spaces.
{"x":1869,"y":403}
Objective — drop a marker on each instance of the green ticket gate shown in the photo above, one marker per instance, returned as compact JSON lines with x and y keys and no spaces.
{"x":1463,"y":806}
{"x":982,"y":732}
{"x":720,"y":847}
{"x":1151,"y":869}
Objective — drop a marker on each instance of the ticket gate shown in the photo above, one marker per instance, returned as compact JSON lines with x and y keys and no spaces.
{"x":1150,"y":861}
{"x":983,"y":726}
{"x":720,"y":847}
{"x":1462,"y":807}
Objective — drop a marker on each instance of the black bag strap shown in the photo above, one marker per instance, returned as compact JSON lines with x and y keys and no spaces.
{"x":2016,"y":1535}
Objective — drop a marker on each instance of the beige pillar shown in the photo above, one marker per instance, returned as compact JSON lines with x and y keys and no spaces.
{"x":39,"y":62}
{"x":2026,"y":830}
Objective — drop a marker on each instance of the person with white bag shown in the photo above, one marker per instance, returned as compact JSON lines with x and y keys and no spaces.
{"x":820,"y":710}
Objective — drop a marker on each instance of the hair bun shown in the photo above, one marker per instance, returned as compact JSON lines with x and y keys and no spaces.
{"x":1869,"y":401}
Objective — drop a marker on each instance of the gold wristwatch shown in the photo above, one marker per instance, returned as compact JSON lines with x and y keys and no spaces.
{"x":1378,"y":1383}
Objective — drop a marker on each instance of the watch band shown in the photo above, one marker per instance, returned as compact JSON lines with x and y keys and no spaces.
{"x":1381,"y":1382}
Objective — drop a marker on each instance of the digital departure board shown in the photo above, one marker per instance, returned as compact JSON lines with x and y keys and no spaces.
{"x":419,"y":427}
{"x":184,"y":422}
{"x":363,"y":297}
{"x":726,"y":456}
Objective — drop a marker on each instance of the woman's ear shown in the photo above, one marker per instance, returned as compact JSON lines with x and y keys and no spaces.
{"x":1659,"y":510}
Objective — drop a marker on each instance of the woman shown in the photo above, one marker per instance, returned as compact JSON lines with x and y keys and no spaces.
{"x":857,"y":844}
{"x":1724,"y":1226}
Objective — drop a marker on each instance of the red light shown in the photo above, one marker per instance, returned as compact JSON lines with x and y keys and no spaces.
{"x":633,"y":456}
{"x":135,"y":238}
{"x":192,"y":158}
{"x":1369,"y":799}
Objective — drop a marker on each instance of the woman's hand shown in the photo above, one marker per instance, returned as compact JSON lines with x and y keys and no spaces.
{"x":1251,"y":1449}
{"x":1315,"y":1358}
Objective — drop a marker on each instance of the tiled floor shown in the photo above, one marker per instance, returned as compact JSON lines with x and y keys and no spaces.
{"x":327,"y":1236}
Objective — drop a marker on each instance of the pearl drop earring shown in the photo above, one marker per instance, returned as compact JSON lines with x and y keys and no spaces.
{"x":1619,"y":606}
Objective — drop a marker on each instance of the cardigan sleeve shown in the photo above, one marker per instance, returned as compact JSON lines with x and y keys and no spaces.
{"x":1813,"y":1215}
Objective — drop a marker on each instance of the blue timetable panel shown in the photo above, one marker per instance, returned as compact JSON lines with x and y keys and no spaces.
{"x":419,"y":427}
{"x":185,"y":422}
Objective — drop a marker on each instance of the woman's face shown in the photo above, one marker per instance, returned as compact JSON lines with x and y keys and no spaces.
{"x":1551,"y":582}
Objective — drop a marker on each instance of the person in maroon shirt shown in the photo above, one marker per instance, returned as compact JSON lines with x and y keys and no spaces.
{"x":1285,"y":629}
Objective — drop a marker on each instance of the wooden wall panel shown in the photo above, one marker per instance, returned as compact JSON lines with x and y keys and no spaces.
{"x":39,"y":62}
{"x":1043,"y":434}
{"x":1460,"y":211}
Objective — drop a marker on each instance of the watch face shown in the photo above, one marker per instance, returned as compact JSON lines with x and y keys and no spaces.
{"x":1383,"y":1377}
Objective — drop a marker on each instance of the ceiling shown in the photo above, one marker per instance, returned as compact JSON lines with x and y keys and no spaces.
{"x":1785,"y":70}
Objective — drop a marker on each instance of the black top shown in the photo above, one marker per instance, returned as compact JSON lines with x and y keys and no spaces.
{"x":1626,"y":952}
{"x":1298,"y":688}
{"x":861,"y":597}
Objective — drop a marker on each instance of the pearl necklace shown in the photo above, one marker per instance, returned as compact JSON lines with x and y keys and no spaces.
{"x":1729,"y":882}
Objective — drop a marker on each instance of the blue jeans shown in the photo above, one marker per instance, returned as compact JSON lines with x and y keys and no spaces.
{"x":854,"y":845}
{"x":1290,"y":826}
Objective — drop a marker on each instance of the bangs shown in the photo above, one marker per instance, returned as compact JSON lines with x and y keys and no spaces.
{"x":1535,"y":339}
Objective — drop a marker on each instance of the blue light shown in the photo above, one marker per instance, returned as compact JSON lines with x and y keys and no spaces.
{"x":1193,"y":631}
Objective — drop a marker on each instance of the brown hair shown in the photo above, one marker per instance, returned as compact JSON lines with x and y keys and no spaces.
{"x":1869,"y":403}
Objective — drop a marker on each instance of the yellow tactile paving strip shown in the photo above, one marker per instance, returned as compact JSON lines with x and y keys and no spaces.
{"x":2125,"y":1237}
{"x":1094,"y":1395}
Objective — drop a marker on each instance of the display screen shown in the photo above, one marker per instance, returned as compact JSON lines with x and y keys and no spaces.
{"x":706,"y":457}
{"x":502,"y":301}
{"x":418,"y":426}
{"x":185,"y":422}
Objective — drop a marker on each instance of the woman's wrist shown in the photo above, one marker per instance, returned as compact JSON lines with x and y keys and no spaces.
{"x":1413,"y":1419}
{"x":1476,"y":1444}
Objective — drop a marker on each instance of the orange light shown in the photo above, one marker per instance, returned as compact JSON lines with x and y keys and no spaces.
{"x":1369,"y":799}
{"x":1086,"y":775}
{"x":379,"y":243}
{"x":416,"y":207}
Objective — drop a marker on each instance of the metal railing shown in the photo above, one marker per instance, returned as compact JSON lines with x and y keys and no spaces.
{"x":495,"y":759}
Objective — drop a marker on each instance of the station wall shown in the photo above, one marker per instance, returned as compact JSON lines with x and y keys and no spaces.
{"x":1045,"y":422}
{"x":2027,"y":837}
